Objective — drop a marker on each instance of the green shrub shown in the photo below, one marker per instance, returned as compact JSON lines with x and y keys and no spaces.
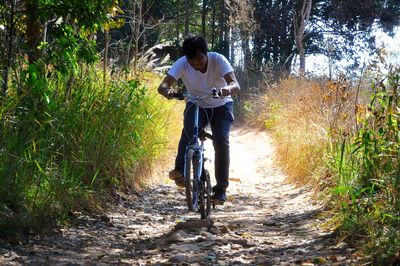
{"x":368,"y":168}
{"x":331,"y":136}
{"x":61,"y":142}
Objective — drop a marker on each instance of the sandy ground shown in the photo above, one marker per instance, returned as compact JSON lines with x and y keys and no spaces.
{"x":266,"y":221}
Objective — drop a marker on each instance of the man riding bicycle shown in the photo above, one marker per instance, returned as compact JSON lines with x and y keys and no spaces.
{"x":201,"y":71}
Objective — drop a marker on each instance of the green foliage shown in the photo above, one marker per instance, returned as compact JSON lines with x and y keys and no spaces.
{"x":361,"y":14}
{"x":57,"y":148}
{"x":70,"y":48}
{"x":368,"y":168}
{"x":88,"y":14}
{"x":275,"y":108}
{"x":350,"y":22}
{"x":64,"y":134}
{"x":317,"y":141}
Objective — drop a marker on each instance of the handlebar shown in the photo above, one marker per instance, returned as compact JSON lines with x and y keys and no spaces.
{"x":181,"y":96}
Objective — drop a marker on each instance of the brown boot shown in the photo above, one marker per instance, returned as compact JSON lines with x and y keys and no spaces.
{"x":177,"y":177}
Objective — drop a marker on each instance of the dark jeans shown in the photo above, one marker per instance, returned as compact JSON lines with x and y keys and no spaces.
{"x":220,"y":119}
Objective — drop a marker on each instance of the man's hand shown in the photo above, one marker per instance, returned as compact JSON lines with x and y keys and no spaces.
{"x":165,"y":87}
{"x":223,"y":92}
{"x":232,"y":82}
{"x":168,"y":93}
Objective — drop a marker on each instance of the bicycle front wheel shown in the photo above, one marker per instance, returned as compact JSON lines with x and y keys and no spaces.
{"x":191,"y":171}
{"x":205,"y":195}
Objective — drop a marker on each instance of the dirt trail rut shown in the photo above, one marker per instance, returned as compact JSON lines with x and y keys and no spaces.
{"x":266,"y":221}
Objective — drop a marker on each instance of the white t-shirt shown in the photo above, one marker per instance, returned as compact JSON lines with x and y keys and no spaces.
{"x":201,"y":84}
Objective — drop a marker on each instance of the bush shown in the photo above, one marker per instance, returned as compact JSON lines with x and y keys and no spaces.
{"x":368,"y":168}
{"x":61,"y":143}
{"x":328,"y":136}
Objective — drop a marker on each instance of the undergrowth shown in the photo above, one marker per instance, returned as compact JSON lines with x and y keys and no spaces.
{"x":342,"y":138}
{"x":300,"y":113}
{"x":61,"y":144}
{"x":366,"y":163}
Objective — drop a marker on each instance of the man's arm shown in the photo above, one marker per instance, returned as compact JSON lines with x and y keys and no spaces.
{"x":165,"y":87}
{"x":233,"y":85}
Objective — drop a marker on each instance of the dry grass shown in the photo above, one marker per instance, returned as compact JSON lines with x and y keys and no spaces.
{"x":302,"y":115}
{"x":342,"y":140}
{"x":156,"y":167}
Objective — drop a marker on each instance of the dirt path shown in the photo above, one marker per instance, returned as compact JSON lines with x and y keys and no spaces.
{"x":266,"y":221}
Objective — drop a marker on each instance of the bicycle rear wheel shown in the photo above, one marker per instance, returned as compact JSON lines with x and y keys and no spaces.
{"x":191,"y":170}
{"x":205,"y":195}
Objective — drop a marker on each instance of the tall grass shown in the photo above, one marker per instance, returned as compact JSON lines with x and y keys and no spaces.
{"x":343,"y":140}
{"x":301,"y":113}
{"x":369,"y":171}
{"x":59,"y":146}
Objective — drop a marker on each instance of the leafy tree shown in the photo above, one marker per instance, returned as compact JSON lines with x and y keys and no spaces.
{"x":84,"y":17}
{"x":361,"y":14}
{"x":274,"y":37}
{"x":343,"y":22}
{"x":339,"y":27}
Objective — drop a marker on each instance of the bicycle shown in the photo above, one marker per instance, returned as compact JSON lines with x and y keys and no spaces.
{"x":197,"y":178}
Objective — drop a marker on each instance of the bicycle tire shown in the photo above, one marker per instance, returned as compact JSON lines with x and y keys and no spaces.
{"x":205,"y":195}
{"x":190,"y":172}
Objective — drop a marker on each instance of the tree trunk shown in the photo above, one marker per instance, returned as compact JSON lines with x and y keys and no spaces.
{"x":187,"y":14}
{"x":33,"y":30}
{"x":203,"y":19}
{"x":137,"y":38}
{"x":132,"y":24}
{"x":300,"y":22}
{"x":246,"y":51}
{"x":227,"y":32}
{"x":9,"y":59}
{"x":177,"y":19}
{"x":330,"y":58}
{"x":213,"y":25}
{"x":130,"y":52}
{"x":222,"y":26}
{"x":234,"y":36}
{"x":302,"y":60}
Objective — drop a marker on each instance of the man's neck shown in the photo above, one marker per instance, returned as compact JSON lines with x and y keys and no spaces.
{"x":204,"y":70}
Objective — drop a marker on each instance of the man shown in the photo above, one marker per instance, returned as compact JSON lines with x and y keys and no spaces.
{"x":201,"y":71}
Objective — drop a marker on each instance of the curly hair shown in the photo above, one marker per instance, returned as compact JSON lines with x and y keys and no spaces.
{"x":194,"y":44}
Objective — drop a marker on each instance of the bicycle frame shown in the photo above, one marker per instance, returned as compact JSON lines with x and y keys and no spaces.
{"x":195,"y":154}
{"x":197,"y":189}
{"x":197,"y":146}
